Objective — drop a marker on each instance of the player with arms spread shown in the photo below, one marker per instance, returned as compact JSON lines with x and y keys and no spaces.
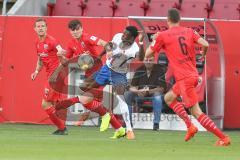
{"x":179,"y":44}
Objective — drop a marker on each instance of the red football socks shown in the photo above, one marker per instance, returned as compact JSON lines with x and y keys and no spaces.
{"x":114,"y":122}
{"x":178,"y":108}
{"x":53,"y":117}
{"x":207,"y":123}
{"x":65,"y":103}
{"x":97,"y":107}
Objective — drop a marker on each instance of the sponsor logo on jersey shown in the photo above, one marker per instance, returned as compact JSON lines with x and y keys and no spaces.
{"x":43,"y":54}
{"x":93,"y":38}
{"x":45,"y":46}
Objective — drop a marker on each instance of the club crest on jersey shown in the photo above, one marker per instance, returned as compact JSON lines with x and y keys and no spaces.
{"x":45,"y":46}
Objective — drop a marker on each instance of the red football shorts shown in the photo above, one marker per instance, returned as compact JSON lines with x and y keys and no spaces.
{"x":186,"y":89}
{"x":50,"y":94}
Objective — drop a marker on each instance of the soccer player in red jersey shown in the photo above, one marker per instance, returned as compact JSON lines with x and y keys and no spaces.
{"x":91,"y":98}
{"x":47,"y":48}
{"x":179,"y":44}
{"x":80,"y":43}
{"x":83,"y":42}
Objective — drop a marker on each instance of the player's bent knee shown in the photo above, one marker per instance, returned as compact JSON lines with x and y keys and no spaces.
{"x":196,"y":110}
{"x":46,"y":104}
{"x":169,"y":97}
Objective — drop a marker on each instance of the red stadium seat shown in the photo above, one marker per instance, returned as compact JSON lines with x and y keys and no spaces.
{"x":195,"y":8}
{"x":220,"y":9}
{"x":160,"y":8}
{"x":129,"y":8}
{"x":114,"y":7}
{"x":226,"y":9}
{"x":68,"y":8}
{"x":98,"y":8}
{"x":145,"y":6}
{"x":50,"y":9}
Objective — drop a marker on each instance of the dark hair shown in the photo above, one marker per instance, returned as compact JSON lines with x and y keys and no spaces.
{"x":74,"y":24}
{"x":133,"y":30}
{"x":39,"y":19}
{"x":173,"y":15}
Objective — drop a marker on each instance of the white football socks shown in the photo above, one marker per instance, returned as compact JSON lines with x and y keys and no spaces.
{"x":125,"y":111}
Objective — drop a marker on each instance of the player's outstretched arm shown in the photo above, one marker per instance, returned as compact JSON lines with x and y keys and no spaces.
{"x":101,"y":43}
{"x":204,"y":44}
{"x":107,"y":49}
{"x":38,"y":69}
{"x":62,"y":56}
{"x":141,"y":46}
{"x":149,"y":52}
{"x":141,"y":53}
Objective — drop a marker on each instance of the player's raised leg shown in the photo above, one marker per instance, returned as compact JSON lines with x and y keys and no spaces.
{"x":95,"y":106}
{"x":65,"y":103}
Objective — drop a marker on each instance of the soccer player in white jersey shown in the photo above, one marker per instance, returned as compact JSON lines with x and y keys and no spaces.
{"x":123,"y":50}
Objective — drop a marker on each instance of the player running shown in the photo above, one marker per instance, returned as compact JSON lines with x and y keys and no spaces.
{"x":179,"y":44}
{"x":47,"y":48}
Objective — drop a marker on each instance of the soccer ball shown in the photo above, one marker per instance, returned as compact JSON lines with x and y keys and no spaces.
{"x":85,"y":61}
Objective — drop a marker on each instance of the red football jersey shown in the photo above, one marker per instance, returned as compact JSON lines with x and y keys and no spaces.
{"x":178,"y":42}
{"x":47,"y":52}
{"x":86,"y":43}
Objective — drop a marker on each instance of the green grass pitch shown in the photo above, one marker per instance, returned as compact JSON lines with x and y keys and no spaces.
{"x":34,"y":142}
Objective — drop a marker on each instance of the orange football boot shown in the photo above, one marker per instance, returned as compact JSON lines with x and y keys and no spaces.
{"x":130,"y":135}
{"x":223,"y":142}
{"x":191,"y":131}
